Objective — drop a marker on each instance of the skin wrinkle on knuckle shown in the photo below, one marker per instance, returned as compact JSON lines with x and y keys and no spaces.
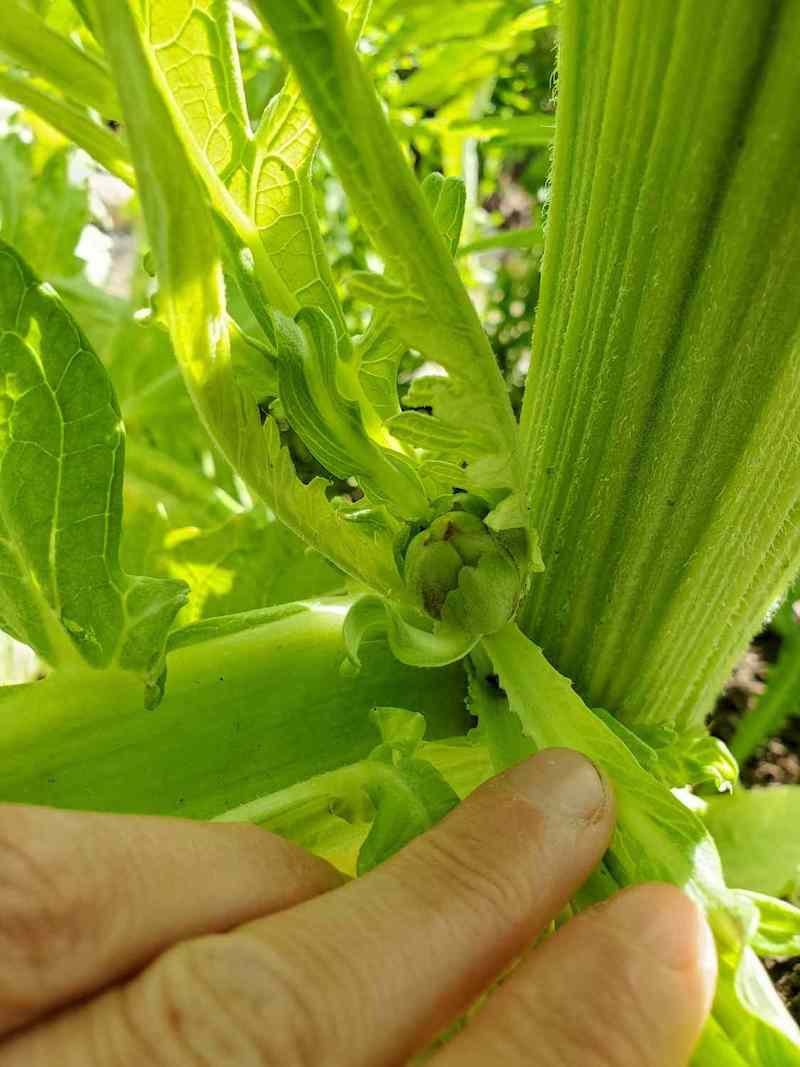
{"x":112,"y":1036}
{"x":230,"y":999}
{"x":462,"y":862}
{"x":46,"y":892}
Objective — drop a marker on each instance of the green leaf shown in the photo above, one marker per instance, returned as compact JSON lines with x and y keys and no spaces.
{"x":778,"y":931}
{"x":363,"y":549}
{"x":379,"y":352}
{"x":412,"y":637}
{"x":438,"y":317}
{"x":194,"y":46}
{"x":281,"y":197}
{"x":72,"y":122}
{"x":174,"y":183}
{"x":408,"y":800}
{"x":98,"y":313}
{"x":82,"y":8}
{"x":330,"y":425}
{"x":443,"y":435}
{"x":372,"y":807}
{"x":462,"y":57}
{"x":460,"y":463}
{"x":535,"y":129}
{"x":667,"y":841}
{"x":781,"y":699}
{"x":156,"y":405}
{"x":434,"y":435}
{"x":749,"y":1024}
{"x":43,"y":213}
{"x":755,"y":832}
{"x":399,"y":728}
{"x":523,"y":237}
{"x":678,"y":760}
{"x":246,"y":563}
{"x":447,"y":199}
{"x":697,"y":759}
{"x":61,"y":463}
{"x":382,"y":347}
{"x":656,"y":838}
{"x":28,"y":41}
{"x":499,"y":730}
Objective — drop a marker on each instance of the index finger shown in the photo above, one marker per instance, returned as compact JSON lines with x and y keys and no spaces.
{"x":387,"y":960}
{"x":85,"y":899}
{"x":365,"y":974}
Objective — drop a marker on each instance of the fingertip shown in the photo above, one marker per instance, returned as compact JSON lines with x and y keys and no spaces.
{"x":562,"y":778}
{"x":629,"y":981}
{"x":571,"y":794}
{"x":314,"y":874}
{"x":669,"y":929}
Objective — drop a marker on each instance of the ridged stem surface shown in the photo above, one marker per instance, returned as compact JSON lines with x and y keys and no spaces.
{"x":660,"y":429}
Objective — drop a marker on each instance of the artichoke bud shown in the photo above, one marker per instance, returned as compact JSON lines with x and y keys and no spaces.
{"x":461,"y":572}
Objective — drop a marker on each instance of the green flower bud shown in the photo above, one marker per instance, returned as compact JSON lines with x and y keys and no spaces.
{"x":463,"y":573}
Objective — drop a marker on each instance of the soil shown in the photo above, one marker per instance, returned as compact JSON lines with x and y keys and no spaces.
{"x":775,"y":763}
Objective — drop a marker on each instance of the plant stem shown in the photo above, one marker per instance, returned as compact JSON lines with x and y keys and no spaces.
{"x":778,"y":703}
{"x":29,"y":41}
{"x":73,"y":122}
{"x":659,"y":427}
{"x":244,"y":714}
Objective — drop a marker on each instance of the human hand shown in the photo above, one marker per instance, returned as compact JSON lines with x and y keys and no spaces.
{"x":147,"y":942}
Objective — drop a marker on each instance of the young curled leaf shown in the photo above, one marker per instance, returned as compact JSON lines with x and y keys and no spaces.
{"x":410,"y":638}
{"x":463,"y":573}
{"x":778,"y":930}
{"x":407,"y":801}
{"x":434,"y":435}
{"x":399,"y":727}
{"x":330,"y":425}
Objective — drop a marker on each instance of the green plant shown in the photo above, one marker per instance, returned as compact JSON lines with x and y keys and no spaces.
{"x":781,"y":699}
{"x":619,"y":524}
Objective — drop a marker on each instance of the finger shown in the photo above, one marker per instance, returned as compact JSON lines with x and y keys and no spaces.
{"x":85,"y":899}
{"x":627,"y":984}
{"x":365,"y":974}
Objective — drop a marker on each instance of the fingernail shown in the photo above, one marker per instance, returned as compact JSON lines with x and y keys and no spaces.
{"x":561,"y":781}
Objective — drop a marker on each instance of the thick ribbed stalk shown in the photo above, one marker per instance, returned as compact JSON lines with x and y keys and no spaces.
{"x":660,"y":431}
{"x":245,"y":713}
